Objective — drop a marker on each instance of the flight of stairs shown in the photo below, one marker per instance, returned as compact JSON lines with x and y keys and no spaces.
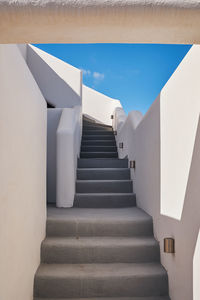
{"x":103,"y":248}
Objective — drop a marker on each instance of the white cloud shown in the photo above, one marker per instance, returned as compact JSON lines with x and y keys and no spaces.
{"x":98,"y":76}
{"x":86,"y":72}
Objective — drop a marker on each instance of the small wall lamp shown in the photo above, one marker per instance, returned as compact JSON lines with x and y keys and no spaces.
{"x":115,"y":132}
{"x":132,"y":164}
{"x":169,"y":245}
{"x":121,"y":145}
{"x":112,"y":117}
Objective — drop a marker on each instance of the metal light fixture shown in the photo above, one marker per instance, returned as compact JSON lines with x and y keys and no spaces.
{"x":132,"y":164}
{"x":112,"y":117}
{"x":169,"y":245}
{"x":121,"y":145}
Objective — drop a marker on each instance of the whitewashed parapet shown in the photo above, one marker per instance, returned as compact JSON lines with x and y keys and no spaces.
{"x":68,"y":148}
{"x":59,"y":82}
{"x":125,"y":127}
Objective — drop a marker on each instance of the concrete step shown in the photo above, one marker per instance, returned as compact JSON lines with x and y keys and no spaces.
{"x":92,"y":122}
{"x":103,"y":163}
{"x":129,"y":221}
{"x":110,"y":298}
{"x":98,"y":155}
{"x":98,"y":143}
{"x":100,"y":280}
{"x":87,"y":250}
{"x":98,"y":137}
{"x":96,"y":127}
{"x":104,"y":186}
{"x":98,"y":148}
{"x":98,"y":132}
{"x":104,"y":200}
{"x":89,"y":123}
{"x":103,"y":173}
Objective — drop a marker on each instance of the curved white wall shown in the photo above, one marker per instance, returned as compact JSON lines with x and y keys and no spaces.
{"x":68,"y":138}
{"x":100,"y":21}
{"x":98,"y":106}
{"x":22,"y":175}
{"x":59,"y":82}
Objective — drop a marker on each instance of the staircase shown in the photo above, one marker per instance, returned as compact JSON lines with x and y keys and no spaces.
{"x":103,"y":248}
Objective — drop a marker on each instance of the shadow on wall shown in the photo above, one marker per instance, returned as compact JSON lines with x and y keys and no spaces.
{"x":190,"y":220}
{"x":184,"y":267}
{"x":55,"y":90}
{"x":184,"y":273}
{"x":186,"y":232}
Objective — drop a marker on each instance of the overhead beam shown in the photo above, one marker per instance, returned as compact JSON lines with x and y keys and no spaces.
{"x":100,"y":21}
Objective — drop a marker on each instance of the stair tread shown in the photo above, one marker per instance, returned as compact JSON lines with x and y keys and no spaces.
{"x":104,"y":194}
{"x":106,"y":270}
{"x":114,"y":158}
{"x":102,"y":169}
{"x":99,"y":130}
{"x":99,"y":135}
{"x":100,"y":241}
{"x":125,"y":214}
{"x":100,"y":180}
{"x":99,"y":152}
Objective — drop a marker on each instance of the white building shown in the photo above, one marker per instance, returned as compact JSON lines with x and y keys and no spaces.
{"x":40,"y":146}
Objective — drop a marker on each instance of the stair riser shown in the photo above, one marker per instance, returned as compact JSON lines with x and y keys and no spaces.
{"x":112,"y":254}
{"x":88,"y":123}
{"x":78,"y":228}
{"x":100,"y":286}
{"x":93,"y":174}
{"x":98,"y":132}
{"x":99,"y":143}
{"x":104,"y":187}
{"x":102,"y":163}
{"x":99,"y":149}
{"x":105,"y":201}
{"x":98,"y":155}
{"x":86,"y":137}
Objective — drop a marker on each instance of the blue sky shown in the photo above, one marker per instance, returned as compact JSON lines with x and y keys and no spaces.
{"x":132,"y":73}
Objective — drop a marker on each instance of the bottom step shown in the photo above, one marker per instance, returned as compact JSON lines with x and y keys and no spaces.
{"x":101,"y":280}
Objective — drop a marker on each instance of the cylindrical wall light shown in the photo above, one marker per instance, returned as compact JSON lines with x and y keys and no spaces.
{"x":112,"y":117}
{"x":169,"y":245}
{"x":121,"y":145}
{"x":132,"y":164}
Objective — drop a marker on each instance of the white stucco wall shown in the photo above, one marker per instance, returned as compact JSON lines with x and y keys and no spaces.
{"x":23,"y":50}
{"x":59,"y":82}
{"x":22,"y":175}
{"x":100,"y":21}
{"x":166,"y":147}
{"x":68,"y":141}
{"x":98,"y":106}
{"x":53,"y":118}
